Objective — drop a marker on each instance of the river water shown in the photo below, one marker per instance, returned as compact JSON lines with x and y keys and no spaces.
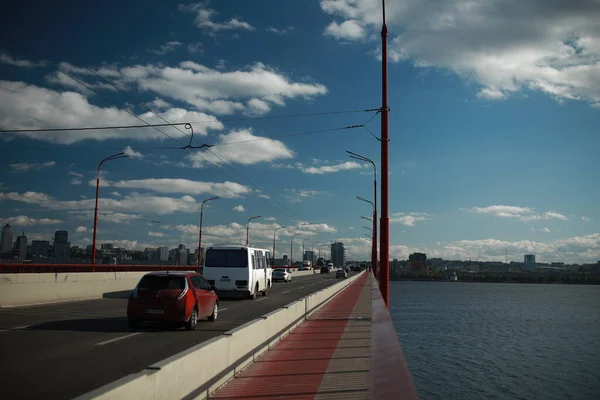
{"x":473,"y":341}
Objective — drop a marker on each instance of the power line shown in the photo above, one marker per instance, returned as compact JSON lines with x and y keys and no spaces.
{"x":95,"y":128}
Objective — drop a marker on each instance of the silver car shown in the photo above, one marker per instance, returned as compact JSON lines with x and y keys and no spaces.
{"x":282,"y":274}
{"x":341,"y":273}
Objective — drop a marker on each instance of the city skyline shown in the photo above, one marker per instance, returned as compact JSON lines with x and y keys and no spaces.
{"x":493,"y":152}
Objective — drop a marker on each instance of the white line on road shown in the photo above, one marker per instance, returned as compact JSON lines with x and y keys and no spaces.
{"x":223,"y":309}
{"x":301,"y":287}
{"x":287,"y":291}
{"x":16,"y":328}
{"x":261,"y":299}
{"x":118,"y":338}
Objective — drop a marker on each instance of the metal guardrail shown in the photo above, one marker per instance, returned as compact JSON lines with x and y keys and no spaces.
{"x":26,"y":268}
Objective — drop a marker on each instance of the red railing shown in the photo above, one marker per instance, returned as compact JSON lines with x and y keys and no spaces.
{"x":25,"y":268}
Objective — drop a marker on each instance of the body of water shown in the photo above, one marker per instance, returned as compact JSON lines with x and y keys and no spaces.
{"x":472,"y":341}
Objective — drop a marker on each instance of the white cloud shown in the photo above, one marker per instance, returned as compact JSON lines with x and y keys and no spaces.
{"x":24,"y":167}
{"x":132,"y":153}
{"x":6,"y":58}
{"x":299,"y":195}
{"x":502,"y":45}
{"x":334,"y":168}
{"x":204,"y":19}
{"x":270,"y":219}
{"x":409,"y":219}
{"x":104,"y":216}
{"x":133,"y":203}
{"x":279,"y":31}
{"x":159,"y":104}
{"x":116,"y":194}
{"x":522,"y":213}
{"x":81,"y":229}
{"x":544,"y":229}
{"x":29,"y":107}
{"x":171,"y":185}
{"x":76,"y":181}
{"x":75,"y":174}
{"x":242,"y":147}
{"x":239,"y":208}
{"x":350,"y":29}
{"x":586,"y":219}
{"x":195,"y":47}
{"x":166,"y":48}
{"x":156,"y":234}
{"x":23,"y":220}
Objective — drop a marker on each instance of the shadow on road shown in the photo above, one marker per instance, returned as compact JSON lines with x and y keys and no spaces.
{"x":121,"y":294}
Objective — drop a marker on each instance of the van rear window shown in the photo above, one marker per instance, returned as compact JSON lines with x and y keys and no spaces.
{"x":226,"y":258}
{"x":158,"y":282}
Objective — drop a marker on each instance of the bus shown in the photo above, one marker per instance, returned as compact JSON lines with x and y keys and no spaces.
{"x":238,"y":271}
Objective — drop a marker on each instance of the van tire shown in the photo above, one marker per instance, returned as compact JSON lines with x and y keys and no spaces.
{"x":253,"y":295}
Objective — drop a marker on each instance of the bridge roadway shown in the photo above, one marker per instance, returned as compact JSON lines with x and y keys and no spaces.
{"x":64,"y":350}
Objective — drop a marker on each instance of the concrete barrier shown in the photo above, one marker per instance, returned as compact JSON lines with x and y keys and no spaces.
{"x":29,"y":289}
{"x":202,"y":369}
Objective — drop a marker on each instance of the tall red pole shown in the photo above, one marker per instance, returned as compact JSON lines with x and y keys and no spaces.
{"x":384,"y":250}
{"x":375,"y":263}
{"x":200,"y":237}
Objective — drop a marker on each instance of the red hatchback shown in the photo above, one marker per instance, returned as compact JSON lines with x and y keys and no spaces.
{"x":177,"y":297}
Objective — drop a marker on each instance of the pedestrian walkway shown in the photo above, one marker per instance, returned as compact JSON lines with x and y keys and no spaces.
{"x":326,"y":358}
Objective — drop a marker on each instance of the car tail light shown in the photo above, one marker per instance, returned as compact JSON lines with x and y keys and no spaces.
{"x":184,"y":291}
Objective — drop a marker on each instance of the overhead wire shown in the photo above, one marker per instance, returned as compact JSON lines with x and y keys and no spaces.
{"x":189,"y":146}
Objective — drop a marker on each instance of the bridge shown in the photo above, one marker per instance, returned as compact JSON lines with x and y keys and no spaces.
{"x":64,"y":330}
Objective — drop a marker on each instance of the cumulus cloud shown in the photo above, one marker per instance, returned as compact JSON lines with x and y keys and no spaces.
{"x":156,"y":234}
{"x":522,"y":213}
{"x":23,"y":220}
{"x":132,"y":203}
{"x":250,"y":149}
{"x":132,"y":153}
{"x":324,"y":169}
{"x":27,"y":106}
{"x":166,"y":48}
{"x":409,"y":219}
{"x":503,"y":46}
{"x":81,"y":229}
{"x":171,"y":185}
{"x":24,"y":167}
{"x":279,"y":31}
{"x":299,"y":195}
{"x":204,"y":19}
{"x":239,"y":208}
{"x":6,"y":58}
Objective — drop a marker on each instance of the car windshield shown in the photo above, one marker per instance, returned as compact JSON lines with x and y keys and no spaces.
{"x":224,"y":258}
{"x":158,"y":282}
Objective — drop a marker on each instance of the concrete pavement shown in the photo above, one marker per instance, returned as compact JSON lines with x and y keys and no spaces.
{"x":71,"y":348}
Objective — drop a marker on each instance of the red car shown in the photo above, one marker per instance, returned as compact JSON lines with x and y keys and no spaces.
{"x":172,"y":296}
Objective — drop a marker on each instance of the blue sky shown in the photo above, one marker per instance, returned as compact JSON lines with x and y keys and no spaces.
{"x":494,"y":123}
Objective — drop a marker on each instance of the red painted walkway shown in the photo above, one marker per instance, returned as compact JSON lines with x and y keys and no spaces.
{"x":326,"y":357}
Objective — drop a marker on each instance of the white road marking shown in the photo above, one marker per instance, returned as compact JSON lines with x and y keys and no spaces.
{"x":287,"y":291}
{"x":261,"y":299}
{"x":223,"y":309}
{"x":118,"y":338}
{"x":301,"y":287}
{"x":16,"y":328}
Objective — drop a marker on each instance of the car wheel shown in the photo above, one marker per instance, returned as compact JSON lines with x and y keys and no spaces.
{"x":134,"y":323}
{"x":190,"y":325}
{"x":215,"y":313}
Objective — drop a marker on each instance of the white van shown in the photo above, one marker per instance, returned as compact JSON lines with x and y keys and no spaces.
{"x":238,"y":271}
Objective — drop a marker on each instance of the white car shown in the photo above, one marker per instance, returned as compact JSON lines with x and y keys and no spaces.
{"x":282,"y":274}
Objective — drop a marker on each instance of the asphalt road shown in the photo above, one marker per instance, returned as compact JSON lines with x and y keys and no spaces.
{"x":63,"y":350}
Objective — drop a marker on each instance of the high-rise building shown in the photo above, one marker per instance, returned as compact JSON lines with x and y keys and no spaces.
{"x":22,"y":247}
{"x":62,"y":247}
{"x":6,"y":240}
{"x":163,"y":254}
{"x":338,"y":254}
{"x":529,"y":261}
{"x":309,"y":256}
{"x":418,"y":262}
{"x":40,"y":248}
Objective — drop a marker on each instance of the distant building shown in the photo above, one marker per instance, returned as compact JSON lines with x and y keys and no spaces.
{"x":529,"y":261}
{"x":338,"y":254}
{"x":163,"y":254}
{"x":418,"y":262}
{"x":309,"y":256}
{"x":62,"y":247}
{"x":6,"y":240}
{"x":22,"y":247}
{"x":40,"y":248}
